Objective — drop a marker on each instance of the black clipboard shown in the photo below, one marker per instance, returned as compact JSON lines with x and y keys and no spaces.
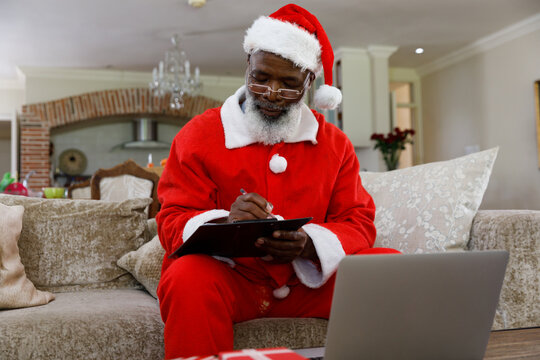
{"x":234,"y":239}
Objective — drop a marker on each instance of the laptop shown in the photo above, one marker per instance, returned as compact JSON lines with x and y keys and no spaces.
{"x":425,"y":306}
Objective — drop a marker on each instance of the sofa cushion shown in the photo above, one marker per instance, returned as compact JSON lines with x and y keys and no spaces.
{"x":294,"y":333}
{"x":106,"y":324}
{"x":430,"y":207}
{"x":145,"y":264}
{"x":67,"y":244}
{"x":15,"y":288}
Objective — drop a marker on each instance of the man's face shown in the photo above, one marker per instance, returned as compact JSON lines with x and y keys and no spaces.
{"x":265,"y":68}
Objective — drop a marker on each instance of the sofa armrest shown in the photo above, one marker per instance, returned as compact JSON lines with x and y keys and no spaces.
{"x":518,"y":232}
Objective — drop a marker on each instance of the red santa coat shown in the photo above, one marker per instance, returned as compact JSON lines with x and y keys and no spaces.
{"x":314,"y":172}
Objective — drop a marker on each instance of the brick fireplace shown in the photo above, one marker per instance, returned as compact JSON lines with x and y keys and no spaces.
{"x":37,"y":120}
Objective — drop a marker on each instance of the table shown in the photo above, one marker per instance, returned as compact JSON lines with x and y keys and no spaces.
{"x":514,"y":344}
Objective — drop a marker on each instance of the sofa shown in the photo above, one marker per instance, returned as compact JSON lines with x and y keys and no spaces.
{"x":100,"y":262}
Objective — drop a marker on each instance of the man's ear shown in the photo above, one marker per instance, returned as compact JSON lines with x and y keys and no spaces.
{"x":311,"y":79}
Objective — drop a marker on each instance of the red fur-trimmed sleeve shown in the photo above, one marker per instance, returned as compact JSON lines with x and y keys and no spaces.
{"x":348,"y":228}
{"x":186,"y":192}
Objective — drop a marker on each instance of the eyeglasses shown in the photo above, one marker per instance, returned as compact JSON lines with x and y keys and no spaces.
{"x":288,"y":94}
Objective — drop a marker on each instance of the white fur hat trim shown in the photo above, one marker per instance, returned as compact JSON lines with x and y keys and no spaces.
{"x":284,"y":39}
{"x":282,"y":292}
{"x":278,"y":164}
{"x":327,"y":97}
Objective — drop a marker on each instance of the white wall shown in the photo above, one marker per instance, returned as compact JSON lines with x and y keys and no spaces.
{"x":488,"y":100}
{"x":11,"y":99}
{"x":46,"y":84}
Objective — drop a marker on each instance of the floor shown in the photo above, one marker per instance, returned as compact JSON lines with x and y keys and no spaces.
{"x":514,"y":344}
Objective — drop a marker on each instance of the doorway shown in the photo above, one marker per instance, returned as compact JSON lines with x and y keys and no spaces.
{"x":8,"y":145}
{"x":402,"y":113}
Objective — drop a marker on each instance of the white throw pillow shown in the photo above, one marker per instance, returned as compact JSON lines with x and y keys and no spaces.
{"x":430,"y":207}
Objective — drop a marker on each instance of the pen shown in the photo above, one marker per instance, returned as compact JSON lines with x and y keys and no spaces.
{"x":269,"y":206}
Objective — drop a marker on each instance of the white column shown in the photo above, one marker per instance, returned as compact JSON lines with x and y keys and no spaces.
{"x":14,"y":146}
{"x":355,"y":81}
{"x":381,"y":123}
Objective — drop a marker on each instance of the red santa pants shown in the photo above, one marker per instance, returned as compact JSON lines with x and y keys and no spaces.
{"x":200,"y":299}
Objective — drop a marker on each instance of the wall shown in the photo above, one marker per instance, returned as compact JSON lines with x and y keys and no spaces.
{"x":46,"y":84}
{"x":98,"y":143}
{"x":488,"y":100}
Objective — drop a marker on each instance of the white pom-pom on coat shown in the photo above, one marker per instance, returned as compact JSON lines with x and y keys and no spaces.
{"x":282,"y":292}
{"x":278,"y":164}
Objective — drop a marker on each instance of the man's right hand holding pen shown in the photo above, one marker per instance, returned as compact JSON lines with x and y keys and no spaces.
{"x":283,"y":246}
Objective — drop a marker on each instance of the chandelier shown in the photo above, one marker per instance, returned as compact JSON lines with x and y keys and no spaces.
{"x":173,"y":76}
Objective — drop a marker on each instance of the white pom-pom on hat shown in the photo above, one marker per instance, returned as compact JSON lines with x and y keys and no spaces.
{"x":327,"y":97}
{"x":282,"y":292}
{"x":278,"y":164}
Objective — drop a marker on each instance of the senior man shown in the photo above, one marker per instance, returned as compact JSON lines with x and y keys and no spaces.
{"x":292,"y":163}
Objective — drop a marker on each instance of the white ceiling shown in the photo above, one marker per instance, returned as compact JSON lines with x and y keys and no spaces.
{"x":134,"y":34}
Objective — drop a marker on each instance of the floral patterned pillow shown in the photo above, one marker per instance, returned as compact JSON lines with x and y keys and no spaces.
{"x":430,"y":207}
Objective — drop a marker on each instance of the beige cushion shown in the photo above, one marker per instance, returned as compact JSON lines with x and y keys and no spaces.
{"x":145,"y":264}
{"x":81,"y":193}
{"x":15,"y":289}
{"x":119,"y":188}
{"x":68,"y":245}
{"x":429,"y":208}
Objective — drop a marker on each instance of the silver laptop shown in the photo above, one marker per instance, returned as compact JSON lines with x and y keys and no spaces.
{"x":427,"y":306}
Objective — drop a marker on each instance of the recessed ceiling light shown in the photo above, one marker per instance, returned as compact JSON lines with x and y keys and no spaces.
{"x":419,"y":51}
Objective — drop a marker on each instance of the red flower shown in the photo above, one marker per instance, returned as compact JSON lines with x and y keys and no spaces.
{"x":392,"y":143}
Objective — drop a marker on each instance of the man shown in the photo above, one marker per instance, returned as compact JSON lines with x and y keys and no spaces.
{"x":292,"y":163}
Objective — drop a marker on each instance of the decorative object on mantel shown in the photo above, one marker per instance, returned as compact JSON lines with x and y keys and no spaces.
{"x":173,"y":76}
{"x":72,"y":162}
{"x":392,"y":144}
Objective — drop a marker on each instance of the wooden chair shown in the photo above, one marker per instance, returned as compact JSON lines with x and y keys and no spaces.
{"x":80,"y":190}
{"x":125,"y":181}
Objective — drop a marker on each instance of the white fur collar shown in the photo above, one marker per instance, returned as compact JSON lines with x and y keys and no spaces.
{"x":237,"y":135}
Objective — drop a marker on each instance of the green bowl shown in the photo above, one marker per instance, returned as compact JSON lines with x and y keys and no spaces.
{"x":54,"y":192}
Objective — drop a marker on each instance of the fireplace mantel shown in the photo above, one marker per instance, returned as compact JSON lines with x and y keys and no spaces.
{"x":37,"y":120}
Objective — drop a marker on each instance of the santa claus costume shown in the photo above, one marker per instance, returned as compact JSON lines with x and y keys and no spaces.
{"x":313,"y":172}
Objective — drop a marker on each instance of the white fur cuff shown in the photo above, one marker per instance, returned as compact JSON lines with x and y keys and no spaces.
{"x":330,"y":253}
{"x":193,"y":224}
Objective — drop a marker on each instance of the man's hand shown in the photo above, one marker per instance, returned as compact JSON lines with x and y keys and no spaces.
{"x":250,"y":206}
{"x":285,"y":246}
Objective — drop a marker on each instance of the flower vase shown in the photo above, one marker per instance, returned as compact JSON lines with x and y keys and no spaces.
{"x":392,"y":160}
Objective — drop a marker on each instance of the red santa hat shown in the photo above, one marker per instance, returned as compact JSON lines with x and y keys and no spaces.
{"x":295,"y":34}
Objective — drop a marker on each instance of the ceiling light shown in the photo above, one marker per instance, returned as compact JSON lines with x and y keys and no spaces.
{"x":197,"y":3}
{"x":419,"y":51}
{"x":173,"y":76}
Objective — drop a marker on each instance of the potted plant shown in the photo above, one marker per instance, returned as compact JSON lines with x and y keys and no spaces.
{"x":392,"y":144}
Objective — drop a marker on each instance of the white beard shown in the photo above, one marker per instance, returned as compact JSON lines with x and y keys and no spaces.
{"x":271,"y":131}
